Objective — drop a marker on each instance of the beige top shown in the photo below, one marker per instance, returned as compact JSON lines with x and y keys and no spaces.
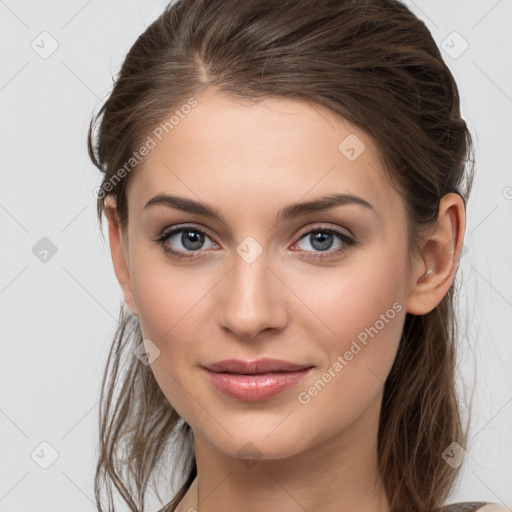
{"x":471,"y":506}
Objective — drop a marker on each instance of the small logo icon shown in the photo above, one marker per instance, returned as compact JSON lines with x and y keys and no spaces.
{"x":351,"y":147}
{"x":146,"y":352}
{"x":454,"y":455}
{"x":44,"y":250}
{"x":249,"y":455}
{"x":249,"y":250}
{"x":454,"y":45}
{"x":507,"y":192}
{"x":44,"y":455}
{"x":44,"y":45}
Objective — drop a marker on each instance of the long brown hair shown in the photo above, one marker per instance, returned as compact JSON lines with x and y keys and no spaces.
{"x":372,"y":62}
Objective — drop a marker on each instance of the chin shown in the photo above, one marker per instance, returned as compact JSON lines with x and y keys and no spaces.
{"x":259,"y":437}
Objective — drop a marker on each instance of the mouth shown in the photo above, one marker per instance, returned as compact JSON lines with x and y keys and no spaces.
{"x":255,"y":380}
{"x":260,"y":366}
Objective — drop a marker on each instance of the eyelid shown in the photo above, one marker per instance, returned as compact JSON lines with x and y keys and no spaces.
{"x":324,"y":227}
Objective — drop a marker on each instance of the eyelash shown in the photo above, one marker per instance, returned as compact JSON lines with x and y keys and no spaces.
{"x":347,"y":241}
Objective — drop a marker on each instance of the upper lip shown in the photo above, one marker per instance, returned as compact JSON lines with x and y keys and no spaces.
{"x":265,"y":365}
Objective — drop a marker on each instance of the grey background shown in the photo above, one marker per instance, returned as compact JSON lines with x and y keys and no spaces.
{"x":59,"y":316}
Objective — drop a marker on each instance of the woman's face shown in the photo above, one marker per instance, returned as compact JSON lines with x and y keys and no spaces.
{"x":254,"y":283}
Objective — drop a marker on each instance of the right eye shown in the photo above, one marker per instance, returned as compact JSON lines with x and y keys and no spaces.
{"x":190,"y":238}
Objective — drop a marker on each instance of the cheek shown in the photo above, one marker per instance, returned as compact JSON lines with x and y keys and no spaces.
{"x":365,"y":310}
{"x":367,"y":300}
{"x":163,"y":319}
{"x":168,"y":297}
{"x":355,"y":297}
{"x":171,"y":320}
{"x":170,"y":304}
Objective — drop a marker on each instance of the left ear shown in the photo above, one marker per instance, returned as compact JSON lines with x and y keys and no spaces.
{"x":434,"y":270}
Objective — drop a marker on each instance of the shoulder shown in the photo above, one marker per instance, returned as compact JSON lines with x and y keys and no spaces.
{"x":495,"y":507}
{"x":475,"y":506}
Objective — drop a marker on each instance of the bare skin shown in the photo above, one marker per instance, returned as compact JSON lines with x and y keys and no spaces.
{"x":249,"y":162}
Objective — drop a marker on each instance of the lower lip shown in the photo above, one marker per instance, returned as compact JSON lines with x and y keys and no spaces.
{"x":252,"y":388}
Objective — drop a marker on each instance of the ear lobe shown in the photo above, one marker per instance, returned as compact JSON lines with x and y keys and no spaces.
{"x":434,"y":271}
{"x":119,"y":253}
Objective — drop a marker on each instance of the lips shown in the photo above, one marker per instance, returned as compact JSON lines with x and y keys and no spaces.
{"x":255,"y":380}
{"x":255,"y":367}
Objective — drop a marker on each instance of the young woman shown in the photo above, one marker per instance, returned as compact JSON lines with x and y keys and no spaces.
{"x":285,"y":186}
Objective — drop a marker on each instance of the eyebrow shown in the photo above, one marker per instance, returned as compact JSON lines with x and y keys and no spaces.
{"x":288,"y":212}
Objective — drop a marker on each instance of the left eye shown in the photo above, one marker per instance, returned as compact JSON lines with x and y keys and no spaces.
{"x":322,"y":239}
{"x":193,"y":239}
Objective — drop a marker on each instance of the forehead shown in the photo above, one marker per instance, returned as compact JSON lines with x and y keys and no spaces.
{"x":263,"y":152}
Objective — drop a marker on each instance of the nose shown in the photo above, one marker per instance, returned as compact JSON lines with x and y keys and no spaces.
{"x":252,"y":299}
